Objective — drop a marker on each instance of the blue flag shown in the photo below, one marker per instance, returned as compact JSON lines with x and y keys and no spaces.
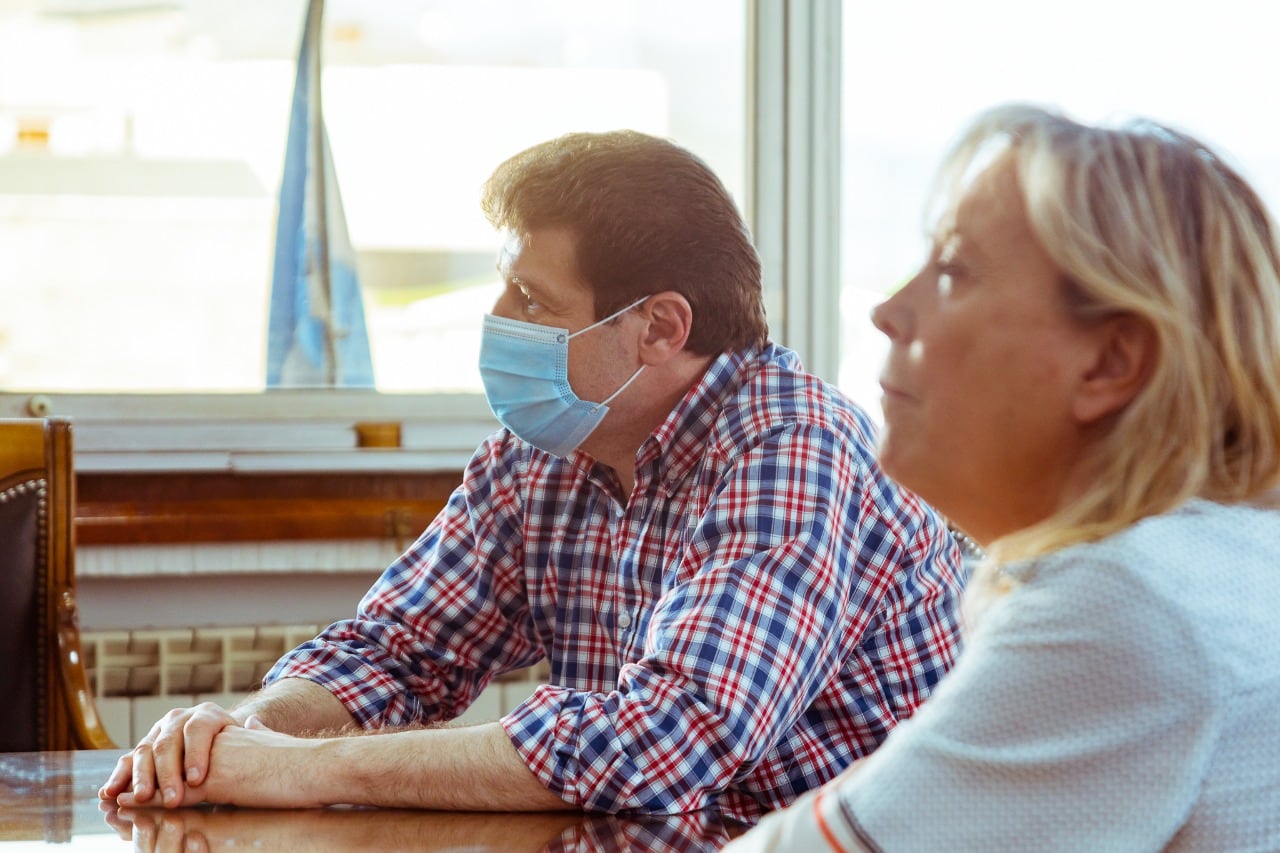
{"x":316,"y":335}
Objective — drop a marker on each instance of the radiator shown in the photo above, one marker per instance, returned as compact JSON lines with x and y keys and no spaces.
{"x":138,"y":675}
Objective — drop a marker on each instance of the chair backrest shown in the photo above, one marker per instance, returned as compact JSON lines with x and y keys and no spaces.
{"x":48,"y":704}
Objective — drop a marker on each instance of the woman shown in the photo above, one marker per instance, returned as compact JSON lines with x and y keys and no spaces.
{"x":1085,"y":377}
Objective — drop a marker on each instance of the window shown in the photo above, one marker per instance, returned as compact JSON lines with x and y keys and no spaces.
{"x":915,"y":72}
{"x":141,"y":147}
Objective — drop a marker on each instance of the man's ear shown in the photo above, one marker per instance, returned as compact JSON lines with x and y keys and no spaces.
{"x":670,"y":319}
{"x":1122,"y":362}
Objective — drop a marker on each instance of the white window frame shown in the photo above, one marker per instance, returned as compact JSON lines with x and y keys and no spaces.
{"x":793,"y":169}
{"x":793,"y":189}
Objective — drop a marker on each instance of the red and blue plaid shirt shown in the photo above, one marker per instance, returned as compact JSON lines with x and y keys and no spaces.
{"x":762,"y":610}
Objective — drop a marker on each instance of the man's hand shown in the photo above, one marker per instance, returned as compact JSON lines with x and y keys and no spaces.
{"x":471,"y":768}
{"x":177,"y":753}
{"x":246,"y":765}
{"x":253,"y":766}
{"x":172,"y":756}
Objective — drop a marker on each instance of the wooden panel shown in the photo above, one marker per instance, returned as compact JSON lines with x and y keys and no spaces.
{"x":116,"y":508}
{"x":23,"y":447}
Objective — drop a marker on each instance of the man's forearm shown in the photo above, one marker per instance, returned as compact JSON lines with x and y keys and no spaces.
{"x":469,"y":768}
{"x":296,"y":706}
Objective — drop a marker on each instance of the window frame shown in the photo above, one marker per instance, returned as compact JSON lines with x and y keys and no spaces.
{"x":792,"y":208}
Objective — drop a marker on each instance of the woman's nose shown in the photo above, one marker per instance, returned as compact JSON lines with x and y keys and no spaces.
{"x":892,"y":317}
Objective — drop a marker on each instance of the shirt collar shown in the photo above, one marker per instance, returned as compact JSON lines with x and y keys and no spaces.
{"x":680,"y":441}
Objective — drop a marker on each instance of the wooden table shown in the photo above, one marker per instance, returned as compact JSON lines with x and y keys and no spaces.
{"x":50,"y":800}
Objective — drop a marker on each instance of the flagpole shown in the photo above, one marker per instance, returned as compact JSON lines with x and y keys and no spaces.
{"x":315,"y":17}
{"x":316,"y":335}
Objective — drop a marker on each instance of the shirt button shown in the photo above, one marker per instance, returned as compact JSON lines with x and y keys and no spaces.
{"x":624,"y":620}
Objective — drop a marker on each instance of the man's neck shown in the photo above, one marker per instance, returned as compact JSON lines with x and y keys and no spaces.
{"x":624,"y":430}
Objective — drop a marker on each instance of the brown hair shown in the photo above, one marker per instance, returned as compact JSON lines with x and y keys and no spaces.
{"x":648,"y":216}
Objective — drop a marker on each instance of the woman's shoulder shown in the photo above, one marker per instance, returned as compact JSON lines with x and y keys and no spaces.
{"x":1199,"y":536}
{"x":1206,"y":572}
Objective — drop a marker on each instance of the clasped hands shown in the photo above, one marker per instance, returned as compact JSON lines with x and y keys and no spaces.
{"x":205,"y":754}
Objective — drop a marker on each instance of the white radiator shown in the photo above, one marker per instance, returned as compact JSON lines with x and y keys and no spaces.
{"x":138,"y":675}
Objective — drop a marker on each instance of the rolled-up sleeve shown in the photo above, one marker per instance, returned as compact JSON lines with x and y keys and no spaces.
{"x":735,"y":651}
{"x":441,"y":621}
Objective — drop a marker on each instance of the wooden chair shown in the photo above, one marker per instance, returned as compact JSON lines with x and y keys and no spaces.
{"x":48,"y":704}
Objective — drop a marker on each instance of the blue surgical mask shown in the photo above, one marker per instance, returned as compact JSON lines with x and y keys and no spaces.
{"x":525,"y":370}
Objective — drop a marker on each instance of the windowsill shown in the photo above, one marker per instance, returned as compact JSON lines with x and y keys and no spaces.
{"x":276,"y":432}
{"x":364,"y":461}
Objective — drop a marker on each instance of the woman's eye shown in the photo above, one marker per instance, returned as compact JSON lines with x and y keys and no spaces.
{"x":948,"y":274}
{"x":946,"y":260}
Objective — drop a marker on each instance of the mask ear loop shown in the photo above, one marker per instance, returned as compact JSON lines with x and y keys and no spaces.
{"x":615,"y":394}
{"x":618,"y":313}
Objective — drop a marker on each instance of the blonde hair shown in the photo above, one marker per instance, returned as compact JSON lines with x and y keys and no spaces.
{"x":1145,"y":221}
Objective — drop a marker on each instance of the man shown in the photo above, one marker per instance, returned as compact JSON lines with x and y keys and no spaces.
{"x":734,"y":601}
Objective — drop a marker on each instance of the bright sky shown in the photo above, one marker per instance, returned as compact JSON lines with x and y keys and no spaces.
{"x":915,"y":71}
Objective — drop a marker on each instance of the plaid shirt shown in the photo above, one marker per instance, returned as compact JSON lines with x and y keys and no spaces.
{"x":761,"y":611}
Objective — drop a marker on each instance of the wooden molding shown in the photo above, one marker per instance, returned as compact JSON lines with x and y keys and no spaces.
{"x":155,"y":508}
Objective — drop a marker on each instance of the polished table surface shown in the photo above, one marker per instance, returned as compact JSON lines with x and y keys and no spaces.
{"x":50,"y":800}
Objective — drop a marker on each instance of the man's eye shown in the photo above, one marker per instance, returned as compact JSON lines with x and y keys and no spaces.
{"x":527,"y":302}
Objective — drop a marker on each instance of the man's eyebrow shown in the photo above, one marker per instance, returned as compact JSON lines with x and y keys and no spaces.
{"x":504,"y":266}
{"x":530,"y":286}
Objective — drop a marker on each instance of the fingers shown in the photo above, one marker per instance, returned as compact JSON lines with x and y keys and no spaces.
{"x":119,"y":780}
{"x":167,"y":756}
{"x":173,"y":757}
{"x":201,"y":728}
{"x":190,"y":797}
{"x":142,"y":785}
